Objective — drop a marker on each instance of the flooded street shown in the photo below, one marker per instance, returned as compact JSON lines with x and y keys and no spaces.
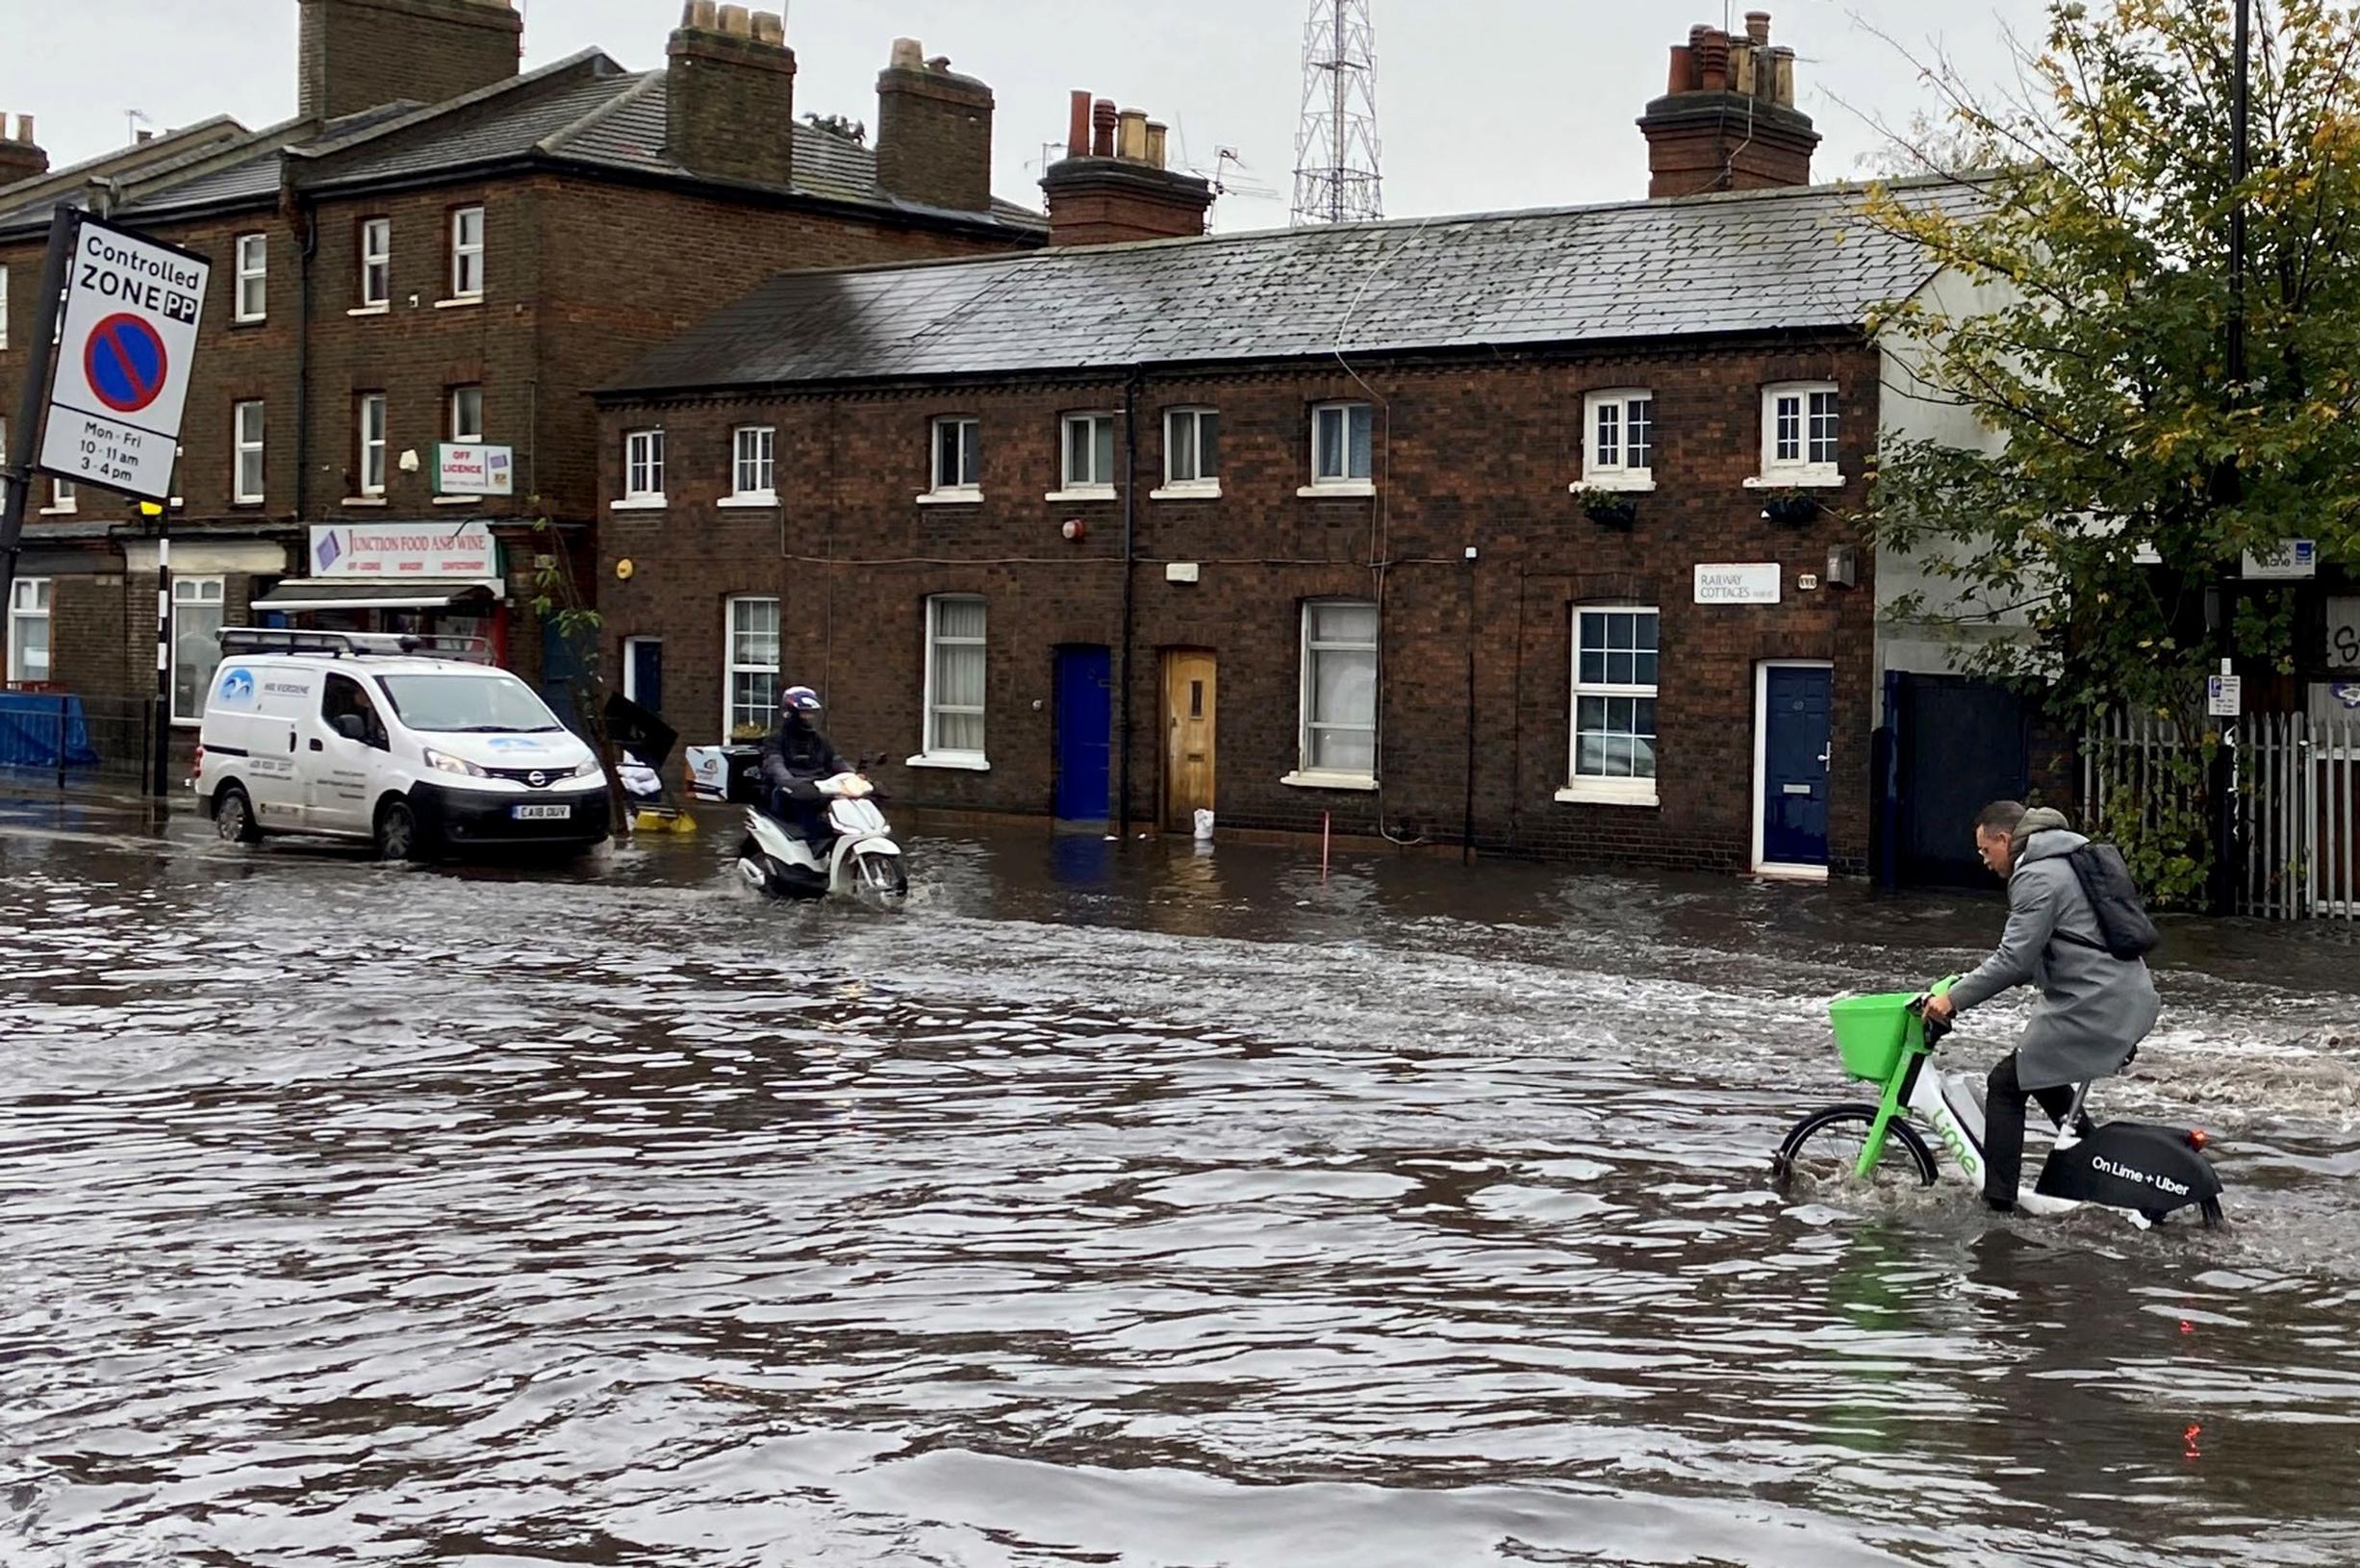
{"x":1108,"y":1204}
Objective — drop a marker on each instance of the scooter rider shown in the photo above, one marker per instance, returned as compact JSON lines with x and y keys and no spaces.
{"x":795,"y":758}
{"x":2094,"y":1008}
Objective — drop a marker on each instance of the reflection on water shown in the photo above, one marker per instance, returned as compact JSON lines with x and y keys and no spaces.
{"x":1112,"y":1204}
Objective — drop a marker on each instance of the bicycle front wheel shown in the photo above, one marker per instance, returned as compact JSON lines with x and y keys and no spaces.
{"x":1824,"y":1149}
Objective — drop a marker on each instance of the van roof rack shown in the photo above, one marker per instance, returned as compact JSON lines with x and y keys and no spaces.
{"x":354,"y":645}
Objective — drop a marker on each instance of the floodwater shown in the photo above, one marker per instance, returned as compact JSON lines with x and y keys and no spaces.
{"x":1110,"y":1204}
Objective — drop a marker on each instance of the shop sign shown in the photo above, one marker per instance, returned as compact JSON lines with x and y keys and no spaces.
{"x":1732,"y":583}
{"x":2289,"y":559}
{"x":472,"y":469}
{"x":398,"y":550}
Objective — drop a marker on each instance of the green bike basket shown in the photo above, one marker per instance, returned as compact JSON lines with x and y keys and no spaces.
{"x":1870,"y":1032}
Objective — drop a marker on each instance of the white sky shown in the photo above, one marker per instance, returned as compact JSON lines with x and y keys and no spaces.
{"x":1482,"y":104}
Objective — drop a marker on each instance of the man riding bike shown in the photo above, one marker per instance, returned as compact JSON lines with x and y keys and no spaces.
{"x":795,"y":757}
{"x":2094,"y":1008}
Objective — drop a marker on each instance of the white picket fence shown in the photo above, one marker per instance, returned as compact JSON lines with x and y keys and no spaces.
{"x":2297,"y":810}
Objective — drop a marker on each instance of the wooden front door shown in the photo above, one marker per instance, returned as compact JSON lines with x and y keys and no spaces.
{"x":1188,"y":685}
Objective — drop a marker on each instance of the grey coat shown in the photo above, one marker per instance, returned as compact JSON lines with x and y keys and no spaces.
{"x":2094,"y":1008}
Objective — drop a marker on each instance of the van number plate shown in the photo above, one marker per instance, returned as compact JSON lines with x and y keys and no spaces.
{"x":541,"y":814}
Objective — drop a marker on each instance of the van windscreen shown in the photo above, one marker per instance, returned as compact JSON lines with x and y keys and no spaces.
{"x":467,"y":704}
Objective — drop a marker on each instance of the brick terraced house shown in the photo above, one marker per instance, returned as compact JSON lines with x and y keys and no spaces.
{"x":1523,"y":531}
{"x":442,"y":249}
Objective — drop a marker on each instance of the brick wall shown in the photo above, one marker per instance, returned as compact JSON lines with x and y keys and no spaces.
{"x":1478,"y":455}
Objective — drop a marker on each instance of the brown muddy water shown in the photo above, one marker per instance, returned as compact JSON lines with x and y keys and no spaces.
{"x":1108,"y":1204}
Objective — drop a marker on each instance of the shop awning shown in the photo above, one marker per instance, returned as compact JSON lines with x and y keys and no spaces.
{"x":371,"y":594}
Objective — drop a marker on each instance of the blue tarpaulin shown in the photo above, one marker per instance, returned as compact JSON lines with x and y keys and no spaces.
{"x":31,"y":734}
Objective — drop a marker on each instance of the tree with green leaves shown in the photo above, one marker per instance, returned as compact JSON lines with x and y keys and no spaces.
{"x":2087,"y":332}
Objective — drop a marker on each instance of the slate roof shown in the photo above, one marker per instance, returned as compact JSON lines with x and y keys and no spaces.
{"x":584,"y":109}
{"x":1759,"y":260}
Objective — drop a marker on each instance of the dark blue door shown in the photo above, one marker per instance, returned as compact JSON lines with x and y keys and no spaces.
{"x":646,"y":672}
{"x":1085,"y":721}
{"x":1794,"y":765}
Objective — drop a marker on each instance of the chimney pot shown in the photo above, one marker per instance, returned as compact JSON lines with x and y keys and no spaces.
{"x":704,"y":15}
{"x":1102,"y":127}
{"x":1130,"y":135}
{"x":1682,"y":74}
{"x":1741,"y":72}
{"x":908,"y":55}
{"x":24,"y":129}
{"x":1713,"y":62}
{"x":1758,"y":27}
{"x":736,"y":23}
{"x":1157,"y":135}
{"x":1782,"y":60}
{"x":1078,"y":127}
{"x":770,"y":28}
{"x":1695,"y":145}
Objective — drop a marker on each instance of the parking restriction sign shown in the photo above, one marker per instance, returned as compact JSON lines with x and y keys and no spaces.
{"x":126,"y":341}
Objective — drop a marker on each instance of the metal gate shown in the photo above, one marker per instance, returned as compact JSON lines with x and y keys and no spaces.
{"x":2296,"y":805}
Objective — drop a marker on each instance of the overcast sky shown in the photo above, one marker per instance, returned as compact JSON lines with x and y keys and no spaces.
{"x":1482,"y":104}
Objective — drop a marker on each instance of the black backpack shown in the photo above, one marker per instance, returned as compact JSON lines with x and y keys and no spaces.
{"x":2123,"y":925}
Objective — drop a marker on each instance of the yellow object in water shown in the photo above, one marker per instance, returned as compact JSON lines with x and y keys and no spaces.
{"x":663,"y":820}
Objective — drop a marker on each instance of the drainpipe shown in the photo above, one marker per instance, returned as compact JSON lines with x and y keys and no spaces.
{"x":1131,"y":557}
{"x":307,"y":245}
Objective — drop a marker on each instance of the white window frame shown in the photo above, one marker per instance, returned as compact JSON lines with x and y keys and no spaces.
{"x":4,"y":309}
{"x":643,"y":469}
{"x":1197,"y":485}
{"x":29,"y":601}
{"x":964,"y":486}
{"x":195,"y":593}
{"x":1345,"y":482}
{"x":376,"y":265}
{"x":466,"y":432}
{"x":368,"y":468}
{"x":1597,"y":789}
{"x":465,"y":253}
{"x":253,"y":259}
{"x":732,"y":666}
{"x":61,"y":496}
{"x":1606,"y":460}
{"x":1306,"y":774}
{"x":1801,"y":467}
{"x":1085,"y":483}
{"x":753,"y":466}
{"x":934,"y":754}
{"x":243,"y":442}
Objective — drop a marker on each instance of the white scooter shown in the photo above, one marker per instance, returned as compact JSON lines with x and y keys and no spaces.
{"x":858,"y":856}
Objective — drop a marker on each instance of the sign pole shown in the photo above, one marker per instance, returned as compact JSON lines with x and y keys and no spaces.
{"x":161,"y":782}
{"x":17,"y":463}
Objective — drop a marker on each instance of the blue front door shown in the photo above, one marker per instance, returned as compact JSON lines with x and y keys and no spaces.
{"x":1085,"y":720}
{"x":1794,"y":716}
{"x":645,"y":672}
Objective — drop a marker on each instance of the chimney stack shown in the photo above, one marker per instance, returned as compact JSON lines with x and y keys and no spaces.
{"x":933,"y":133}
{"x":1112,"y":184}
{"x":1727,"y":119}
{"x":353,"y":55}
{"x":21,"y":158}
{"x":729,"y":94}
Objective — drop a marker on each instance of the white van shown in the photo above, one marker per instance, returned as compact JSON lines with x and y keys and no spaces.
{"x":398,"y":741}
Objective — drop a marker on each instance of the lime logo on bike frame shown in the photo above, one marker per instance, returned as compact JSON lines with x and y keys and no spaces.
{"x":1955,"y":1141}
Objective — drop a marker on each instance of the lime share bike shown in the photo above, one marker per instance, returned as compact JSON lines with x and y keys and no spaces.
{"x":2149,"y":1173}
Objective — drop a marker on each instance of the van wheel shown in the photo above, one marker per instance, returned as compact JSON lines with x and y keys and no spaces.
{"x":233,"y":816}
{"x":396,"y":832}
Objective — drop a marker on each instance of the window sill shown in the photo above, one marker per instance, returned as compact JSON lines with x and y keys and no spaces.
{"x":1309,"y":779}
{"x":950,"y":497}
{"x":962,"y":762}
{"x":1207,"y":490}
{"x":250,"y":322}
{"x":751,"y":500}
{"x":385,"y":308}
{"x":361,"y":500}
{"x":1636,"y":483}
{"x":639,"y":503}
{"x":1082,"y":492}
{"x":1799,"y":479}
{"x":460,"y":303}
{"x":467,"y":500}
{"x":1339,"y":490}
{"x":1596,"y":795}
{"x":247,"y":502}
{"x":59,"y":511}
